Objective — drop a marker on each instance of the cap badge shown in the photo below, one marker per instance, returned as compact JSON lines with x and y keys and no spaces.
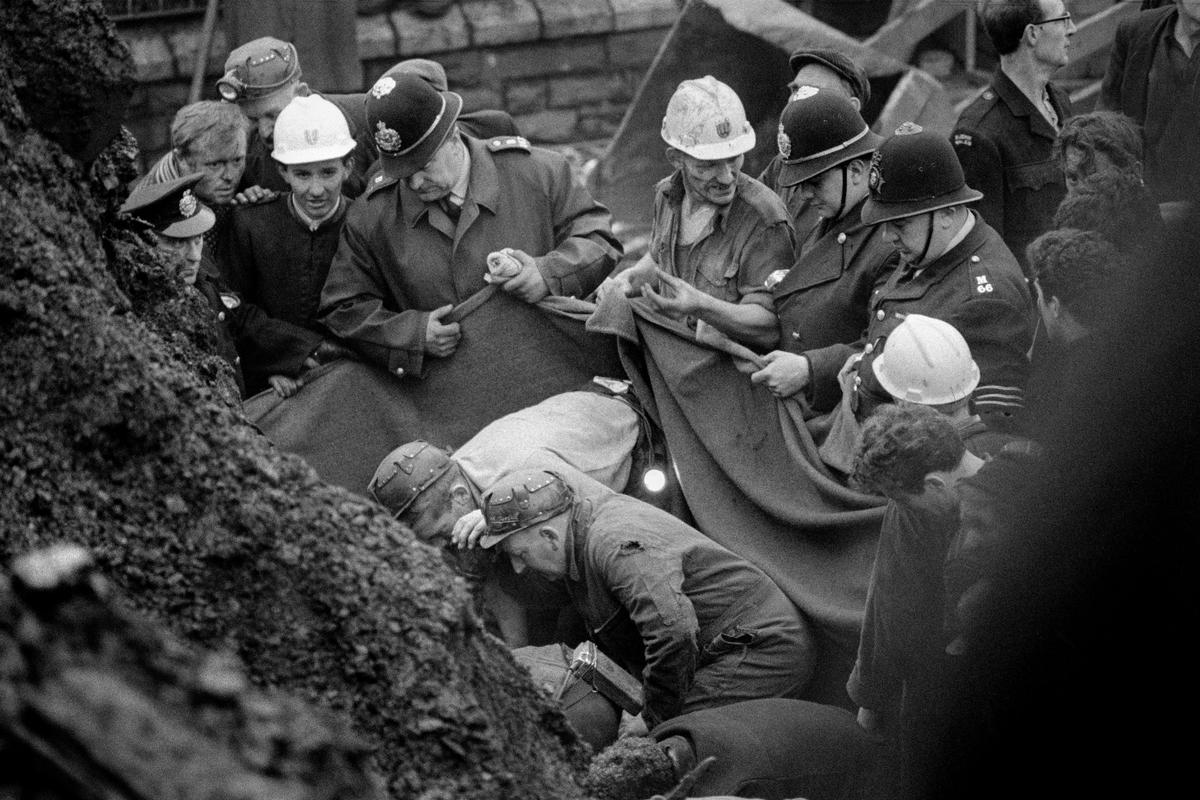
{"x":875,"y":175}
{"x":188,"y":204}
{"x":784,"y":143}
{"x":383,"y":87}
{"x":908,"y":128}
{"x":804,"y":92}
{"x":724,"y":128}
{"x":312,"y":137}
{"x":387,"y":140}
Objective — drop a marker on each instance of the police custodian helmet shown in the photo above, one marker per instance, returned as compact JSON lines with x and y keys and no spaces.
{"x":913,"y":172}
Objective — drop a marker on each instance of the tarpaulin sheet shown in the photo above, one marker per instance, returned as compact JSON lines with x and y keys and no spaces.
{"x":753,"y":478}
{"x":349,"y":414}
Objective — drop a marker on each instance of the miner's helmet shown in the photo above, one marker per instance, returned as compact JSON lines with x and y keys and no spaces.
{"x":705,"y":119}
{"x":171,"y":208}
{"x":913,"y":172}
{"x":406,"y":472}
{"x":926,"y":361}
{"x":258,"y":70}
{"x":818,"y":131}
{"x":409,"y":120}
{"x":840,"y":63}
{"x":521,"y":500}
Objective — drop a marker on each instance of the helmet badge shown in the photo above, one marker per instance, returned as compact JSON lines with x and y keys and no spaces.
{"x":784,"y":143}
{"x":724,"y":128}
{"x":908,"y":128}
{"x":387,"y":140}
{"x":875,"y":174}
{"x":188,"y":204}
{"x":312,"y":137}
{"x":383,"y":87}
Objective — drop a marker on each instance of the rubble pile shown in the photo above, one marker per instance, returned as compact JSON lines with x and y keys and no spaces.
{"x":117,"y":434}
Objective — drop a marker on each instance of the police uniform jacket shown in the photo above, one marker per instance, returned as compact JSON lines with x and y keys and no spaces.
{"x":750,"y":238}
{"x":977,"y":287}
{"x":400,"y":258}
{"x":278,"y":266}
{"x":823,"y":299}
{"x":803,"y":214}
{"x":656,"y":594}
{"x":1006,"y":148}
{"x":228,"y":317}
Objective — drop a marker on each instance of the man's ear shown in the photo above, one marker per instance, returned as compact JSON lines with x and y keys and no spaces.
{"x":856,"y":102}
{"x":675,"y":157}
{"x":281,"y":167}
{"x":858,"y":168}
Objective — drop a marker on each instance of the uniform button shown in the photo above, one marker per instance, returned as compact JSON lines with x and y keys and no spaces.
{"x":795,"y":334}
{"x":399,"y":372}
{"x":220,"y":316}
{"x":842,"y":237}
{"x":880,"y":315}
{"x":974,"y":259}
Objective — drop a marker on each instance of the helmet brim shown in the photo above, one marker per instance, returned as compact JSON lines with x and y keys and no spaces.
{"x":798,"y":171}
{"x":312,"y":155}
{"x":719,"y":151}
{"x":875,"y":212}
{"x":489,"y":540}
{"x":401,"y":167}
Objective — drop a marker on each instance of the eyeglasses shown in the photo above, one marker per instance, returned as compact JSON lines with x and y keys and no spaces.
{"x":1064,"y":18}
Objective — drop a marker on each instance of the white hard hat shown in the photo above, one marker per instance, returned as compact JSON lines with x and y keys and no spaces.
{"x":311,"y":129}
{"x":926,"y":361}
{"x":706,"y":120}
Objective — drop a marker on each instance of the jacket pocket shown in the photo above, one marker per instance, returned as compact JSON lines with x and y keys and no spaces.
{"x":1031,"y":177}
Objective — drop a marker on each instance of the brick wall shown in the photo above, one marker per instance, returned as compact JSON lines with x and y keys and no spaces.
{"x":565,"y":69}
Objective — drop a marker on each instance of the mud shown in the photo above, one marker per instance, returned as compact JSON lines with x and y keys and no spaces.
{"x":117,"y":433}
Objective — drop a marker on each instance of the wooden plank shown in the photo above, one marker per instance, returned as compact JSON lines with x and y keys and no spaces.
{"x":1094,"y":35}
{"x":790,"y":29}
{"x":899,"y":37}
{"x":918,"y":98}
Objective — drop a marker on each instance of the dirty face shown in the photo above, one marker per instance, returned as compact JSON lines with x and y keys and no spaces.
{"x":433,"y":514}
{"x":264,"y":111}
{"x":713,"y":182}
{"x":316,"y":187}
{"x":184,"y":255}
{"x":221,"y":162}
{"x":538,"y":548}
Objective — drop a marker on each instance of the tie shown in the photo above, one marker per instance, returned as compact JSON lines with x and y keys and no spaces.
{"x":451,"y":208}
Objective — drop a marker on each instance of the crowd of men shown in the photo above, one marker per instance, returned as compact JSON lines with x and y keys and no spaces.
{"x":919,"y":300}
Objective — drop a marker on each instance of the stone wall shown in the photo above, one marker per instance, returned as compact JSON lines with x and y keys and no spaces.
{"x":566,"y":69}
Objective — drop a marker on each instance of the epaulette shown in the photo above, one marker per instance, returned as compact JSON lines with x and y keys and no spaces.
{"x":981,"y":284}
{"x":975,"y":110}
{"x":380,"y":181}
{"x":499,"y":143}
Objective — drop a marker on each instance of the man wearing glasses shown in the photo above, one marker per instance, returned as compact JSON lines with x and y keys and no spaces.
{"x":1005,"y":138}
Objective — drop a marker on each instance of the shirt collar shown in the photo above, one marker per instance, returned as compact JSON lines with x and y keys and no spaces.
{"x":314,"y":224}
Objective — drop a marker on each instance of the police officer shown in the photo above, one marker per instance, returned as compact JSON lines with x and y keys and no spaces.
{"x":829,"y":71}
{"x":179,"y":221}
{"x":953,"y":267}
{"x":417,"y":242}
{"x":717,"y":233}
{"x":825,"y":150}
{"x":701,"y":626}
{"x":1005,"y":138}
